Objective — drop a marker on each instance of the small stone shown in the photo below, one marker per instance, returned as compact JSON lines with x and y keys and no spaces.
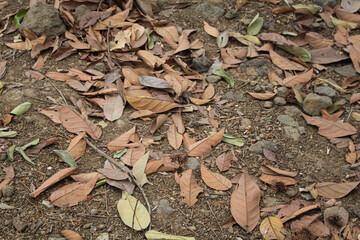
{"x":302,"y":130}
{"x":231,"y":14}
{"x":313,"y":104}
{"x":47,"y":204}
{"x":101,"y":67}
{"x":103,"y":236}
{"x":202,"y":64}
{"x":326,"y":91}
{"x":346,"y":70}
{"x":236,"y":97}
{"x":231,"y":229}
{"x":192,"y":228}
{"x":259,"y":146}
{"x":164,"y":207}
{"x":7,"y":222}
{"x":80,"y":11}
{"x":292,"y":133}
{"x":323,"y":3}
{"x":292,"y":111}
{"x":93,"y":211}
{"x":102,"y":226}
{"x":291,"y":193}
{"x":251,"y":71}
{"x":246,"y":21}
{"x":192,"y":163}
{"x":65,"y":44}
{"x":93,"y":229}
{"x":43,"y":19}
{"x":279,"y":101}
{"x":8,"y":190}
{"x":19,"y":225}
{"x":268,"y":104}
{"x":87,"y":225}
{"x":282,"y":90}
{"x":257,"y":88}
{"x":245,"y":122}
{"x":213,"y":78}
{"x":287,"y":120}
{"x":214,"y":196}
{"x":210,"y":12}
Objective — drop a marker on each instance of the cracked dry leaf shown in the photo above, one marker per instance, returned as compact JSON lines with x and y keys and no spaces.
{"x":189,"y":188}
{"x":214,"y":180}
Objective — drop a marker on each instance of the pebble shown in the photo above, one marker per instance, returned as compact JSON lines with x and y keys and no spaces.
{"x":292,"y":111}
{"x":323,"y":3}
{"x":103,"y":236}
{"x":102,"y":226}
{"x":164,"y":207}
{"x":257,"y":88}
{"x":326,"y":91}
{"x":282,"y":90}
{"x":346,"y":70}
{"x":81,"y":11}
{"x":292,"y":133}
{"x":302,"y":130}
{"x":193,"y":163}
{"x":231,"y":14}
{"x":93,"y":229}
{"x":87,"y":225}
{"x":192,"y":228}
{"x":47,"y":204}
{"x":245,"y":122}
{"x":19,"y":225}
{"x":287,"y":120}
{"x":8,"y":190}
{"x":268,"y":104}
{"x":236,"y":97}
{"x":279,"y":101}
{"x":259,"y":146}
{"x":101,"y":67}
{"x":93,"y":211}
{"x":213,"y":78}
{"x":291,"y":193}
{"x":313,"y":104}
{"x":210,"y":12}
{"x":202,"y":64}
{"x":214,"y":196}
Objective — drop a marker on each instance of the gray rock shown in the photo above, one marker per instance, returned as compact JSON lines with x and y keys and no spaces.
{"x":291,"y":193}
{"x":19,"y":225}
{"x":43,"y":19}
{"x":268,"y":104}
{"x":164,"y":207}
{"x":80,"y":11}
{"x":292,"y":111}
{"x":236,"y":97}
{"x":213,"y":78}
{"x":302,"y":130}
{"x":259,"y":146}
{"x":166,"y":13}
{"x":93,"y":211}
{"x":287,"y":120}
{"x":346,"y":70}
{"x":192,"y":163}
{"x":256,"y":66}
{"x":102,"y":226}
{"x":93,"y":229}
{"x":214,"y":196}
{"x":202,"y":64}
{"x":210,"y":12}
{"x":87,"y":225}
{"x":326,"y":91}
{"x":313,"y":104}
{"x":292,"y":133}
{"x":231,"y":14}
{"x":47,"y":204}
{"x":103,"y":236}
{"x":279,"y":101}
{"x":8,"y":191}
{"x":258,"y":88}
{"x":101,"y":67}
{"x":245,"y":122}
{"x":282,"y":90}
{"x":323,"y":3}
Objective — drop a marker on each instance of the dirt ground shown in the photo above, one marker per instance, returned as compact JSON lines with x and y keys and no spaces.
{"x":313,"y":156}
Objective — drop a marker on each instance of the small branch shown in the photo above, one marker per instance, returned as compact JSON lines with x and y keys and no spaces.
{"x":125,"y":169}
{"x":57,"y":90}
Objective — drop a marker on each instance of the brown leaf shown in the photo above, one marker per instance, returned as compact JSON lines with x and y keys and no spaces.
{"x":275,"y":180}
{"x":282,"y":9}
{"x":346,"y":16}
{"x":284,"y":63}
{"x":142,"y":114}
{"x":150,"y":103}
{"x":214,"y":180}
{"x":189,"y":188}
{"x":327,"y":55}
{"x":298,"y":79}
{"x":113,"y":174}
{"x":211,"y":30}
{"x":174,"y":137}
{"x":304,"y":223}
{"x":205,"y":146}
{"x":198,"y":101}
{"x":133,"y":154}
{"x":330,"y":129}
{"x":77,"y":146}
{"x":71,"y":194}
{"x":122,"y":141}
{"x":76,"y":43}
{"x":9,"y":176}
{"x":209,"y":92}
{"x":90,"y":18}
{"x":188,"y":141}
{"x":60,"y":175}
{"x":3,"y":4}
{"x":244,"y":202}
{"x":335,"y":190}
{"x":240,"y":4}
{"x":41,"y":145}
{"x":270,"y":155}
{"x":341,"y":35}
{"x":75,"y":123}
{"x":71,"y":235}
{"x":177,"y":119}
{"x":153,"y":166}
{"x":223,"y":162}
{"x":150,"y":59}
{"x":274,"y":79}
{"x":170,"y":35}
{"x":158,"y":122}
{"x":355,"y":97}
{"x":316,"y":40}
{"x":262,"y":96}
{"x":58,"y":76}
{"x":299,"y":212}
{"x":34,"y":74}
{"x":277,"y":172}
{"x":85,"y":177}
{"x":53,"y":115}
{"x":184,"y":43}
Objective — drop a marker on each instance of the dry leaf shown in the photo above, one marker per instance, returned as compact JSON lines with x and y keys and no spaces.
{"x":77,"y":146}
{"x":299,"y":212}
{"x":10,"y":174}
{"x":244,"y":202}
{"x":71,"y":194}
{"x":346,"y":16}
{"x":336,"y":218}
{"x":272,"y":228}
{"x":71,"y":235}
{"x":277,"y":172}
{"x":52,"y":180}
{"x":262,"y":96}
{"x":177,"y":119}
{"x":327,"y":55}
{"x":211,"y":30}
{"x":316,"y":40}
{"x":240,"y":4}
{"x":335,"y":190}
{"x":276,"y":180}
{"x":41,"y":145}
{"x":197,"y":101}
{"x":223,"y":162}
{"x":158,"y":122}
{"x":189,"y":188}
{"x":209,"y":92}
{"x":133,"y":154}
{"x":174,"y":137}
{"x":298,"y":79}
{"x":150,"y":103}
{"x":114,"y":174}
{"x":204,"y":146}
{"x":285,"y":63}
{"x":85,"y":177}
{"x":139,"y":169}
{"x":214,"y":180}
{"x":122,"y":141}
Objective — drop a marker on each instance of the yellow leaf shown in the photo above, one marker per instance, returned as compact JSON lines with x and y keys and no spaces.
{"x":272,"y":228}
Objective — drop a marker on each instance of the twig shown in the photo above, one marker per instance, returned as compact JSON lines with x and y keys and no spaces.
{"x":125,"y":169}
{"x":98,"y":8}
{"x":38,"y":226}
{"x":57,"y":90}
{"x":217,"y":221}
{"x":351,"y":110}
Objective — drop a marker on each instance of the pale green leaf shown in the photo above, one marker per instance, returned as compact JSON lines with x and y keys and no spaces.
{"x":23,"y":154}
{"x":21,"y":109}
{"x":10,"y":152}
{"x":32,"y":143}
{"x":155,"y":235}
{"x":296,"y":51}
{"x":139,"y":169}
{"x":255,"y":25}
{"x":66,"y":156}
{"x":137,"y":218}
{"x":19,"y":16}
{"x":227,"y":77}
{"x":252,"y":39}
{"x":150,"y":40}
{"x":297,"y":94}
{"x":346,"y":24}
{"x":222,"y":39}
{"x":232,"y":140}
{"x":8,"y":134}
{"x":1,"y":85}
{"x":313,"y":8}
{"x":119,"y":154}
